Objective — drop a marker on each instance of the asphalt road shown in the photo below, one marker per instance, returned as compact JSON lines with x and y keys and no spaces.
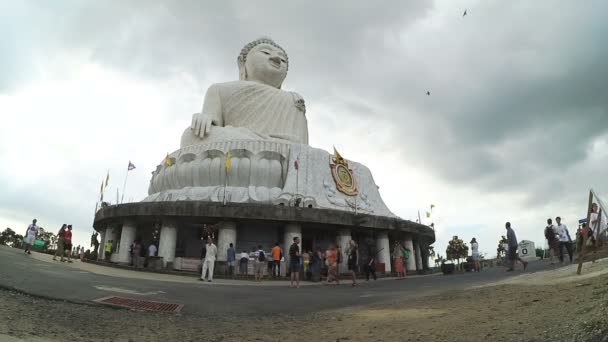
{"x":56,"y":280}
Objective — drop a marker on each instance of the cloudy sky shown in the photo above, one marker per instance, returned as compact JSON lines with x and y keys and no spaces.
{"x":515,"y":128}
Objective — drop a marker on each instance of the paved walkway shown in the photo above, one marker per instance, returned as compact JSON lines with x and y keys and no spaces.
{"x":80,"y":282}
{"x":185,"y":279}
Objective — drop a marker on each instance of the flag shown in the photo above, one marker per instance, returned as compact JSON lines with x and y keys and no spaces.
{"x":432,"y":206}
{"x":428,"y":214}
{"x":168,"y":161}
{"x":108,"y":178}
{"x":296,"y":163}
{"x":228,"y":157}
{"x":131,"y":166}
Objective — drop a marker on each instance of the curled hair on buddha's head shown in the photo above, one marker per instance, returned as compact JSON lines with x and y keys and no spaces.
{"x":242,"y":58}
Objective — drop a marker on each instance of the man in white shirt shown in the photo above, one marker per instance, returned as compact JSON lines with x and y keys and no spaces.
{"x":564,"y":239}
{"x":209,"y":262}
{"x":152,"y":250}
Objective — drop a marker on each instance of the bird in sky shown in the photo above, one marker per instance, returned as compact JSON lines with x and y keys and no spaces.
{"x":428,"y":93}
{"x":465,"y":13}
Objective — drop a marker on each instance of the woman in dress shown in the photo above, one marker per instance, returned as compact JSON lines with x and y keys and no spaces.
{"x":398,"y":261}
{"x":30,"y":236}
{"x":352,"y":261}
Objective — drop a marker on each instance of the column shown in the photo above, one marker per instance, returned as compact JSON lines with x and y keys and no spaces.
{"x":384,"y":252}
{"x":167,"y":241}
{"x":226,"y":236}
{"x":411,"y":261}
{"x":418,"y":256}
{"x":344,"y":238}
{"x":291,"y":230}
{"x":102,"y":241}
{"x":129,"y":229}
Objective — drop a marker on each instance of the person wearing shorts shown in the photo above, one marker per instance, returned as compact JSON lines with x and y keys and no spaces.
{"x":67,"y":242}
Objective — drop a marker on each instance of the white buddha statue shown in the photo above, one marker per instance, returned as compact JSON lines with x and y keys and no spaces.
{"x":254,"y":107}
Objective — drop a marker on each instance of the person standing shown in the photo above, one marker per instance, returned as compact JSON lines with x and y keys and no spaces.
{"x":231,"y":259}
{"x":294,"y":262}
{"x":277,"y":255}
{"x":475,"y":254}
{"x":108,"y":250}
{"x":30,"y":236}
{"x":306,"y":264}
{"x":260,"y":262}
{"x":331,"y":256}
{"x":352,"y":261}
{"x":81,"y":253}
{"x":398,"y":260}
{"x":67,"y":242}
{"x":564,"y":240}
{"x":512,"y":242}
{"x":316,"y":265}
{"x":209,"y":262}
{"x":59,"y":250}
{"x":370,"y":264}
{"x":243,"y":262}
{"x":552,"y":240}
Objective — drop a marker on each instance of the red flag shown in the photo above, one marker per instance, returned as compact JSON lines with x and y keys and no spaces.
{"x":296,"y":164}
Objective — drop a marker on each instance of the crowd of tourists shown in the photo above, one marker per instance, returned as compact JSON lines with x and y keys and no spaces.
{"x":314,"y":265}
{"x":64,"y":248}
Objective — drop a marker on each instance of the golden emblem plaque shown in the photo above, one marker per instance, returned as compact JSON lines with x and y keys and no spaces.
{"x":343,"y":175}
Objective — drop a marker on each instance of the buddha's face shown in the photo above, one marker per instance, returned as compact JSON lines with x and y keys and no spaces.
{"x":266,"y":64}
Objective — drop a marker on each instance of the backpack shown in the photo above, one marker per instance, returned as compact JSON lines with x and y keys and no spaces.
{"x":261,"y":256}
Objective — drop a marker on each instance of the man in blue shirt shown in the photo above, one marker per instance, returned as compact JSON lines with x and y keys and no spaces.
{"x":231,"y":259}
{"x":512,"y":242}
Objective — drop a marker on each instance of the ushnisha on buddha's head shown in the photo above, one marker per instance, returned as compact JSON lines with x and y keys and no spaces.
{"x":263,"y":61}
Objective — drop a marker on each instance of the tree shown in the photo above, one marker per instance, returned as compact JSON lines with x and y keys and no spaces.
{"x":457,"y":250}
{"x":500,"y":251}
{"x":8,"y":237}
{"x":50,"y":239}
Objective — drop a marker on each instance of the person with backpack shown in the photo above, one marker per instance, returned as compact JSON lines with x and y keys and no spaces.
{"x":552,"y":240}
{"x":260,"y":262}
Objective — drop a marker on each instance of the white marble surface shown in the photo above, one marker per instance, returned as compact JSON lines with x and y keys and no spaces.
{"x":226,"y":236}
{"x":262,"y":172}
{"x":167,"y":241}
{"x":127,"y":236}
{"x":411,"y":261}
{"x":383,"y":250}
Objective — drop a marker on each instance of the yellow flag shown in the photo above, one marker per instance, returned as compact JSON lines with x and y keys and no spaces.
{"x":428,"y":214}
{"x":108,"y":178}
{"x":168,"y":161}
{"x":228,"y":157}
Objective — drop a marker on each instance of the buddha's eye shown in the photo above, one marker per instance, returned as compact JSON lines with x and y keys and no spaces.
{"x":284,"y":61}
{"x":265,"y":52}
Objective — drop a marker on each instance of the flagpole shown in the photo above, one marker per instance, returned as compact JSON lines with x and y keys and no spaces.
{"x":117,"y":196}
{"x":124,"y":186}
{"x":225,"y":184}
{"x":419,"y":219}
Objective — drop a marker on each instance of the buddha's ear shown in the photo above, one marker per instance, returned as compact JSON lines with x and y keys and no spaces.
{"x":242,"y":69}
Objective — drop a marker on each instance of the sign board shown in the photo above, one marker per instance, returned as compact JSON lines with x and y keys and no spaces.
{"x":527,"y":250}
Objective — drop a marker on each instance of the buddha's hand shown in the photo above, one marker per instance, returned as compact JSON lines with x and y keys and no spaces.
{"x":201,"y":124}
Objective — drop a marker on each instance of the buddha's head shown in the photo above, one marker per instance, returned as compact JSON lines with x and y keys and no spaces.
{"x":263,"y":61}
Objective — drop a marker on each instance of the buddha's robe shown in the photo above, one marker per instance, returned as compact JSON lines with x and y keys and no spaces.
{"x":254,"y":110}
